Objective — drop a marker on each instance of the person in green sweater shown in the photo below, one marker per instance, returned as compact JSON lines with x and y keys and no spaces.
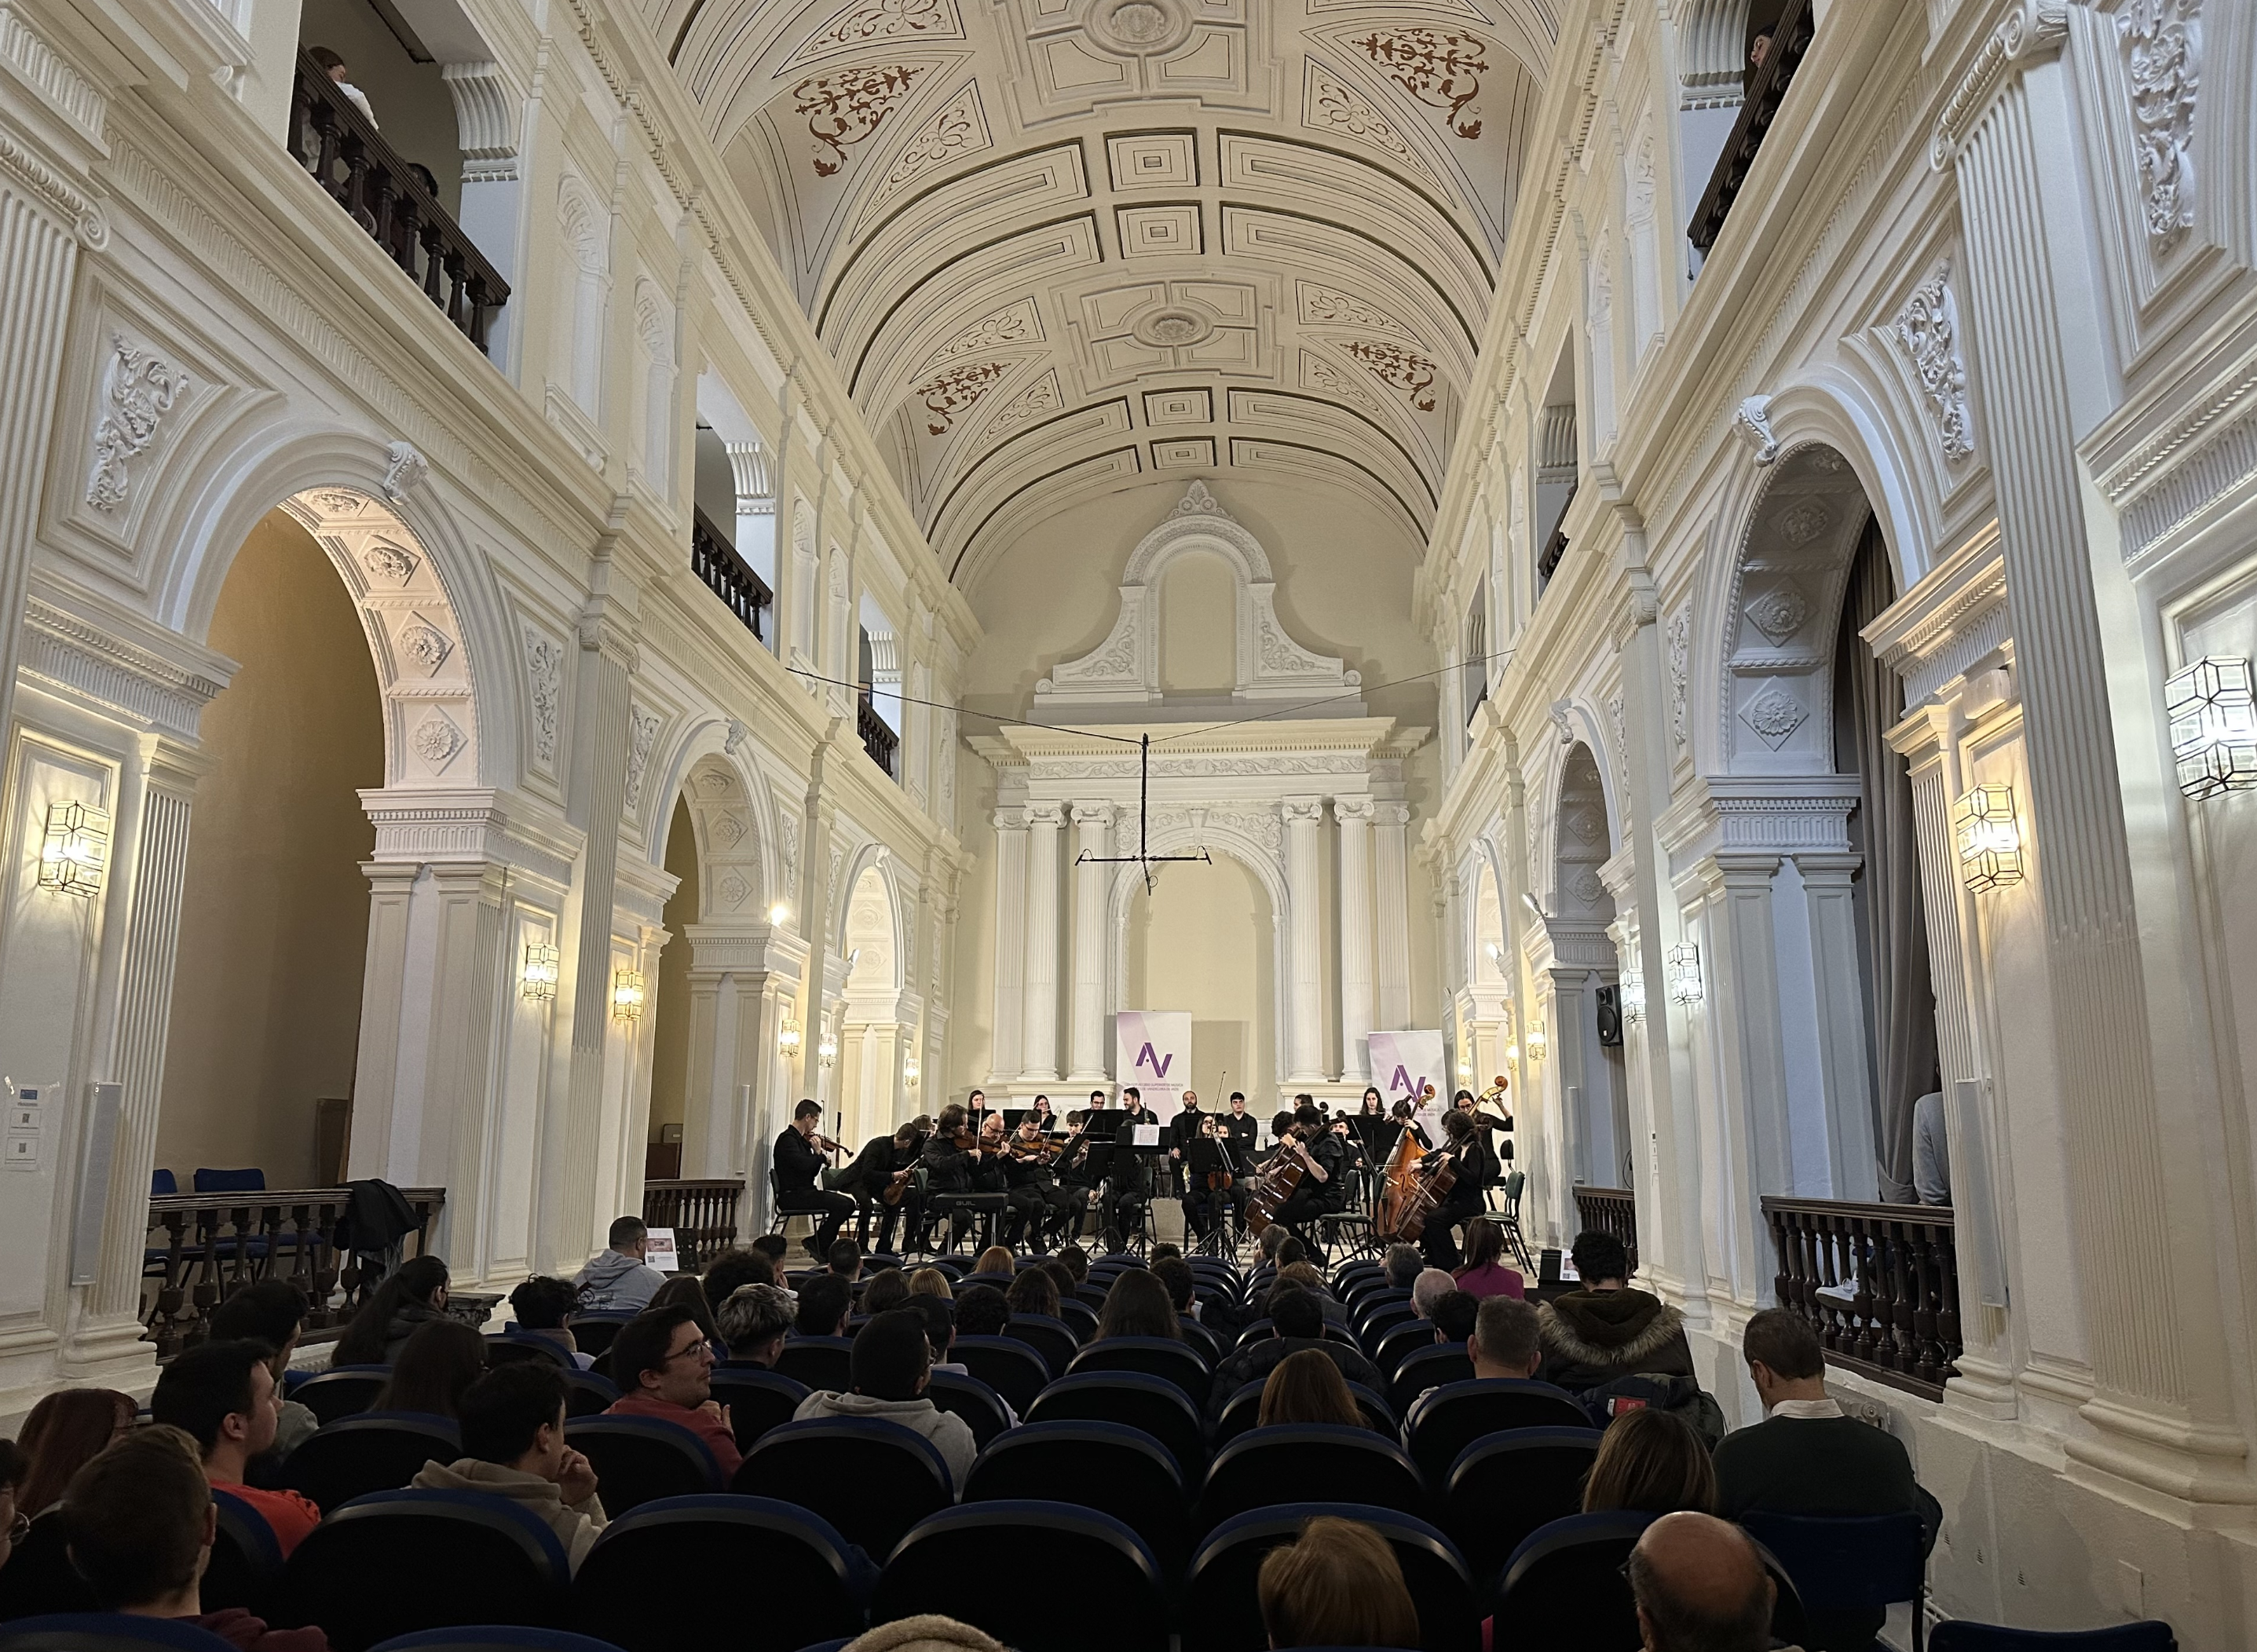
{"x":1808,"y":1457}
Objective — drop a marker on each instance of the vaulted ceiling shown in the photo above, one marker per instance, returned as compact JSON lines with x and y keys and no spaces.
{"x":1059,"y":247}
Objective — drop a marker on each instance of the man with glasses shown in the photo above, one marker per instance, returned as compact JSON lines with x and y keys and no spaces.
{"x":664,"y":1367}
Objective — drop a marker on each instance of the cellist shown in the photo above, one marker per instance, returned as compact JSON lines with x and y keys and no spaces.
{"x":1467,"y":1143}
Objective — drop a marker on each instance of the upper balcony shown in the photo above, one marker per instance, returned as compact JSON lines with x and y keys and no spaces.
{"x":1790,"y":39}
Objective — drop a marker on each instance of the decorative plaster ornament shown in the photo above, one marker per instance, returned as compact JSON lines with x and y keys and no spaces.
{"x":732,"y":891}
{"x":1140,"y":28}
{"x":1804,"y":521}
{"x":1173,"y":327}
{"x":544,"y":667}
{"x":869,"y":22}
{"x":1329,"y":307}
{"x":1774,"y":715}
{"x":728,"y":830}
{"x":787,"y":845}
{"x":340,"y":503}
{"x":1588,"y":887}
{"x":383,"y":560}
{"x":958,"y":130}
{"x":1680,"y":652}
{"x":954,"y":391}
{"x":1585,"y":825}
{"x":1927,"y":328}
{"x":1039,"y":398}
{"x":1779,"y":614}
{"x":404,"y":470}
{"x":642,"y":734}
{"x":1404,"y":370}
{"x":1440,"y":67}
{"x":847,"y":107}
{"x":1751,"y":424}
{"x":436,"y":739}
{"x":2163,"y":48}
{"x":425,"y":645}
{"x":1561,"y":725}
{"x":1329,"y":104}
{"x":138,"y":388}
{"x":1198,"y":501}
{"x":1016,"y":323}
{"x":737,"y":736}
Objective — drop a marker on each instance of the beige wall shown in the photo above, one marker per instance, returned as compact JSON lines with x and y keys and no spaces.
{"x":670,"y":1060}
{"x":274,"y":922}
{"x":1201,"y":943}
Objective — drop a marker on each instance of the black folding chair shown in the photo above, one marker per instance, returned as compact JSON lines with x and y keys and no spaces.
{"x":812,"y":1584}
{"x":871,"y":1479}
{"x":640,"y":1460}
{"x":1097,"y":1587}
{"x":757,"y":1401}
{"x":1222,"y":1612}
{"x":1309,"y":1463}
{"x":1117,"y":1471}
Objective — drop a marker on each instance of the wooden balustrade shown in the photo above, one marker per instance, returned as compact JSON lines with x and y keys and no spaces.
{"x":1790,"y":39}
{"x":1879,"y":1283}
{"x":333,"y":142}
{"x":1609,"y":1211}
{"x":702,"y":1213}
{"x":878,"y":740}
{"x":727,"y":574}
{"x":203,"y":1247}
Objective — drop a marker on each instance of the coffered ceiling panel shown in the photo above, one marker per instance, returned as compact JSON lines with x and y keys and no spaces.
{"x":1058,"y":246}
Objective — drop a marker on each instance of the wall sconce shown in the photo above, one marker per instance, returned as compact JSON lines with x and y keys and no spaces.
{"x":1512,"y":1055}
{"x":1539,"y":1046}
{"x":827,"y":1051}
{"x":1685,"y":974}
{"x":1495,"y":952}
{"x":1633,"y":995}
{"x":540,"y":977}
{"x":75,"y":850}
{"x":627,"y":995}
{"x":1990,"y":839}
{"x":1465,"y":1068}
{"x":780,"y":913}
{"x":788,"y":1032}
{"x":909,"y":1072}
{"x":2212,"y":705}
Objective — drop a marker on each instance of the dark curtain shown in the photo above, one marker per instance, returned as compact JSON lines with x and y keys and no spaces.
{"x":1900,"y":1002}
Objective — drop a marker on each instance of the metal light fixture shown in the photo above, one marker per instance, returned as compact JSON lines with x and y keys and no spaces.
{"x":2212,"y":705}
{"x":909,"y":1072}
{"x":627,"y":995}
{"x":75,"y":850}
{"x":1685,"y":974}
{"x":1538,"y":1045}
{"x":827,"y":1051}
{"x":788,"y":1035}
{"x":780,"y":913}
{"x":1512,"y":1055}
{"x":1633,"y":995}
{"x":541,"y":970}
{"x":1990,"y":838}
{"x":1495,"y":952}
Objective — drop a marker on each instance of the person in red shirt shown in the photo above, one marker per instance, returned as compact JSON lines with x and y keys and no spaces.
{"x":664,"y":1367}
{"x":222,"y":1395}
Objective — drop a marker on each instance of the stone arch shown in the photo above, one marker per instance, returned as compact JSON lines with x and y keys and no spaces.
{"x":729,"y":809}
{"x":1487,"y":969}
{"x":870,"y":925}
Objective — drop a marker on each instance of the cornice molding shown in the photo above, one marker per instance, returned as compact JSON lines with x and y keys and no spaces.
{"x":2031,"y":30}
{"x":89,"y":657}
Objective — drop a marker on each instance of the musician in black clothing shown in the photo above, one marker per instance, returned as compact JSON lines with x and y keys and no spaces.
{"x":1208,"y":1162}
{"x":1180,"y":1131}
{"x":1323,"y":1188}
{"x":1038,"y":1204}
{"x":1128,"y":1177}
{"x":1467,"y":1143}
{"x":871,"y":1174}
{"x":1243,"y":1129}
{"x":799,"y":1167}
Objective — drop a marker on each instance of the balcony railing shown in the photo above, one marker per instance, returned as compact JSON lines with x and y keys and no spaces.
{"x":1879,"y":1283}
{"x":1609,"y":1211}
{"x":369,"y":179}
{"x":728,"y":575}
{"x":203,"y":1247}
{"x":1789,"y":40}
{"x":702,"y":1214}
{"x":878,"y":740}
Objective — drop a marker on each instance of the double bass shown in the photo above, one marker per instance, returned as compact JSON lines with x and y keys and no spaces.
{"x":1401,"y":1184}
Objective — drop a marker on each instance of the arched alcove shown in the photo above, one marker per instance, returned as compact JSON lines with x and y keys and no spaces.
{"x":1592,"y":1090}
{"x":671,"y":1011}
{"x":1201,"y":941}
{"x":877,"y":1027}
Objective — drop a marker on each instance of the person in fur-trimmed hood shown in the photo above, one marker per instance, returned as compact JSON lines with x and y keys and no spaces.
{"x":1607,"y":1330}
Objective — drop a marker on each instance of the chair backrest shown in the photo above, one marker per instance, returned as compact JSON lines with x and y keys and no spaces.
{"x":502,"y":1563}
{"x":872,"y":1479}
{"x":1376,"y":1412}
{"x":39,"y":1580}
{"x":1239,"y":1412}
{"x":1369,"y":1299}
{"x":1444,"y":1422}
{"x":757,"y":1401}
{"x":1398,"y":1345}
{"x":342,"y":1390}
{"x":494,"y":1637}
{"x":1959,"y":1635}
{"x":1432,"y":1367}
{"x":1376,"y":1324}
{"x":1845,"y":1564}
{"x":1512,"y":1184}
{"x":230,"y":1181}
{"x":1160,"y":1357}
{"x":820,"y":1362}
{"x":1202,"y":1342}
{"x":1118,"y":1471}
{"x":1348,"y":1272}
{"x":587,"y":1394}
{"x":1080,"y":1319}
{"x":593,"y":1332}
{"x":245,"y":1568}
{"x":1097,"y":1588}
{"x":706,"y":1547}
{"x":1254,"y":1330}
{"x":503,"y":1347}
{"x":1564,"y":1589}
{"x":1053,"y":1338}
{"x":1502,"y":1487}
{"x":1310,"y":1462}
{"x":971,"y":1399}
{"x":1014,"y":1368}
{"x":1160,"y":1407}
{"x":639,"y":1459}
{"x":370,"y":1451}
{"x":163,"y":1183}
{"x":105,"y":1632}
{"x":1222,"y":1612}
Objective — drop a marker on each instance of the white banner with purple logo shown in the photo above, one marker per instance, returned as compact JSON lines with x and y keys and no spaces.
{"x":1402,"y":1064}
{"x":1152,"y":1051}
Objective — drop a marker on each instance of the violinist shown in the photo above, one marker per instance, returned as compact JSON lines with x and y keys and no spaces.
{"x":1079,"y":1166}
{"x":1323,"y":1152}
{"x":800,"y":1154}
{"x":950,"y":1158}
{"x":1038,"y":1204}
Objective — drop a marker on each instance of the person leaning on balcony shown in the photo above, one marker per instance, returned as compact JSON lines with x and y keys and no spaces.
{"x":340,"y":77}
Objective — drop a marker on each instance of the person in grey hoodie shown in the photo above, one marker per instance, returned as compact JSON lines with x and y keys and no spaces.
{"x":891,"y":1364}
{"x":512,"y":1423}
{"x":620,"y":1280}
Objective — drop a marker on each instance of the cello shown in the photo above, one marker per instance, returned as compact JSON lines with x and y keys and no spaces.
{"x":1399,"y":1183}
{"x":1275,"y":1185}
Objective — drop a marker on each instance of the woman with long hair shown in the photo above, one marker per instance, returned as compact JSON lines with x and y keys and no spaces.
{"x":996,"y":1262}
{"x":65,"y":1432}
{"x":1138,"y":1305}
{"x":1484,"y":1273}
{"x":1340,"y":1584}
{"x":1034,"y":1292}
{"x":930,"y":1282}
{"x":440,"y":1360}
{"x":1307,"y":1387}
{"x":1651,"y":1463}
{"x":689,"y":1291}
{"x":413,"y":1297}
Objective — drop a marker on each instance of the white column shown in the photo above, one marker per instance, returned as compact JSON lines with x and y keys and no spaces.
{"x":1093,"y":837}
{"x":1045,"y":822}
{"x":1010,"y":943}
{"x":1305,"y":819}
{"x":1357,"y":989}
{"x":1391,"y":890}
{"x":1837,"y":978}
{"x":756,"y":514}
{"x":1739,"y":969}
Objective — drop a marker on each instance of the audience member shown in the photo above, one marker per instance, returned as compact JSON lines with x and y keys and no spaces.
{"x":332,"y":65}
{"x":1606,"y":1329}
{"x":65,"y":1432}
{"x":1453,"y":1314}
{"x":1507,"y":1340}
{"x":440,"y":1362}
{"x":1290,"y":1251}
{"x":1432,"y":1285}
{"x":1295,"y":1323}
{"x":1137,"y":1305}
{"x":1305,"y":1276}
{"x":982,"y":1311}
{"x":997,"y":1262}
{"x":620,"y":1280}
{"x":753,"y":1323}
{"x":13,"y":1467}
{"x":271,"y":1311}
{"x":541,"y":1305}
{"x":736,"y":1267}
{"x":1182,"y":1285}
{"x":664,"y":1368}
{"x":689,"y":1291}
{"x":1700,"y":1587}
{"x":930,"y":1282}
{"x":926,"y":1632}
{"x":891,"y":1365}
{"x":845,"y":1259}
{"x":825,"y":1302}
{"x":1034,"y":1292}
{"x":223,"y":1394}
{"x":888,"y":1288}
{"x":1307,"y":1387}
{"x":1062,"y":1276}
{"x":775,"y":1246}
{"x":514,"y":1446}
{"x":939,"y":1329}
{"x":1075,"y":1261}
{"x":414,"y":1295}
{"x":139,"y":1522}
{"x":1653,"y":1462}
{"x":1484,"y":1273}
{"x":1402,"y":1265}
{"x":1338,"y":1584}
{"x":1164,"y":1252}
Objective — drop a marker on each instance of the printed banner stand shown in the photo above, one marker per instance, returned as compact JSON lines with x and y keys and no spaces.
{"x":1402,"y":1064}
{"x":1152,"y":1051}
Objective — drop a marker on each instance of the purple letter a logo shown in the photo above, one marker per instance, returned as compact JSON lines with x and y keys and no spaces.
{"x":1148,"y":1057}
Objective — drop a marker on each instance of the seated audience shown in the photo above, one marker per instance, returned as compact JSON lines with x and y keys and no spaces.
{"x":222,"y":1393}
{"x":1306,"y":1276}
{"x":1338,"y":1584}
{"x":1182,"y":1285}
{"x":939,"y":1329}
{"x":541,"y":1305}
{"x":1062,"y":1276}
{"x":1034,"y":1292}
{"x":925,"y":1631}
{"x":891,"y":1367}
{"x":620,"y":1280}
{"x":995,"y":1262}
{"x":65,"y":1432}
{"x":271,"y":1311}
{"x":930,"y":1282}
{"x":1453,"y":1314}
{"x":888,"y":1288}
{"x":1295,"y":1323}
{"x":139,"y":1522}
{"x":1507,"y":1340}
{"x":413,"y":1295}
{"x":1484,"y":1273}
{"x":1290,"y":1251}
{"x":1606,"y":1329}
{"x":982,"y":1311}
{"x":734,"y":1268}
{"x":1075,"y":1261}
{"x":1274,"y":1235}
{"x":1137,"y":1305}
{"x":1808,"y":1458}
{"x":754,"y":1322}
{"x":825,"y":1302}
{"x":1432,"y":1285}
{"x":845,"y":1258}
{"x":689,"y":1291}
{"x":13,"y":1468}
{"x":1307,"y":1387}
{"x":514,"y":1446}
{"x":1651,"y":1462}
{"x":1402,"y":1265}
{"x":664,"y":1367}
{"x":1700,"y":1587}
{"x":440,"y":1362}
{"x":775,"y":1247}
